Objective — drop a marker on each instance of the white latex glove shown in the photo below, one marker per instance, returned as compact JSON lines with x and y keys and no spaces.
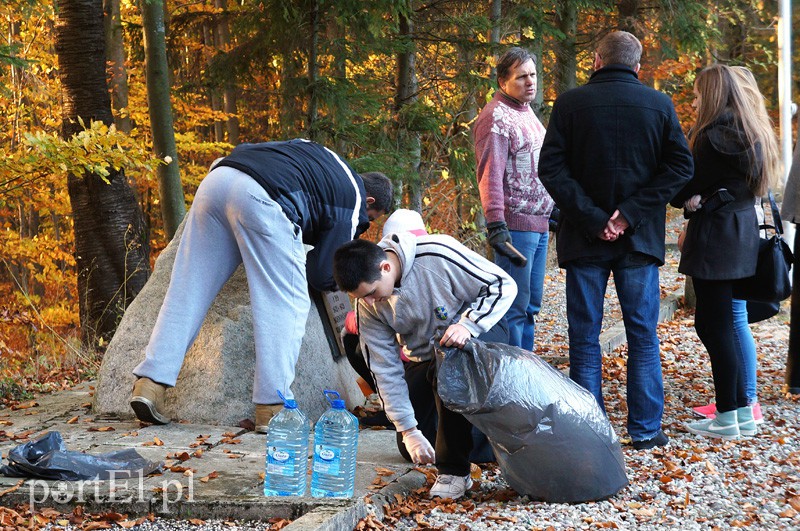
{"x":693,"y":203}
{"x":418,"y":447}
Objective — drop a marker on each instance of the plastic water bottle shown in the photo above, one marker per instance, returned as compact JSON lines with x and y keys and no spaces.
{"x":287,"y":452}
{"x":333,"y":472}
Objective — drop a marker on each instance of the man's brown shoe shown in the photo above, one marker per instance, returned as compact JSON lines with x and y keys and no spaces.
{"x":147,"y":400}
{"x":264,"y":413}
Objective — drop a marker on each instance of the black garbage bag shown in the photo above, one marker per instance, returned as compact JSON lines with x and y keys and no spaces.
{"x":48,"y":458}
{"x":551,"y":439}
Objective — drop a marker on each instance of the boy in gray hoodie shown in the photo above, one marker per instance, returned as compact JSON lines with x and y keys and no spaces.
{"x":409,"y":288}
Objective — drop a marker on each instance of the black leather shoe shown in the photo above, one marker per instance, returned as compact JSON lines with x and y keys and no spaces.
{"x":376,"y":419}
{"x":660,"y":439}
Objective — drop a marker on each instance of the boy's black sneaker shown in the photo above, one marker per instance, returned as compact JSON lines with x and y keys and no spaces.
{"x":378,"y":418}
{"x":660,"y":439}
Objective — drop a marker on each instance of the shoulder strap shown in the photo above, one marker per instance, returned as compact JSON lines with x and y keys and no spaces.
{"x":776,"y":215}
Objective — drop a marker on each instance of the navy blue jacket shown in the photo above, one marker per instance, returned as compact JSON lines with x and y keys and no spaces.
{"x":318,"y":192}
{"x":613,"y":144}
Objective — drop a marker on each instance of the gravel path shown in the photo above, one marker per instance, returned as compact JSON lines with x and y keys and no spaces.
{"x":551,"y":324}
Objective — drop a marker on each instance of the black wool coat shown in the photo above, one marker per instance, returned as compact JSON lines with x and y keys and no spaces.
{"x":721,"y":245}
{"x":613,"y":144}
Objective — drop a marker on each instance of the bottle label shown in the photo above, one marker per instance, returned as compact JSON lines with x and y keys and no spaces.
{"x":281,"y":461}
{"x":327,"y":459}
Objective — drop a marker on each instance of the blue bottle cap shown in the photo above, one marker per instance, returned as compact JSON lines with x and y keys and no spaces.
{"x":288,"y":403}
{"x":337,"y":404}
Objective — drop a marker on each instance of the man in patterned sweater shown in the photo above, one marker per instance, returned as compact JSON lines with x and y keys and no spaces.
{"x":508,"y":138}
{"x":409,"y":288}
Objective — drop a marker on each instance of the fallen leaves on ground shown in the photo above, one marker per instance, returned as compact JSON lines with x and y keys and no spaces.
{"x":669,"y":482}
{"x":103,"y":429}
{"x":24,"y":406}
{"x":47,"y":517}
{"x":212,"y":475}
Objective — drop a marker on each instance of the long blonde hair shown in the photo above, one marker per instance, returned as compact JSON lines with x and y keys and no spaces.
{"x":722,"y":89}
{"x":770,"y":150}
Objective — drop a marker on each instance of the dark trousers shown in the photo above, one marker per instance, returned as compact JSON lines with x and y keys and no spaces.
{"x":356,"y":359}
{"x":714,"y":324}
{"x":422,"y":400}
{"x":450,"y":433}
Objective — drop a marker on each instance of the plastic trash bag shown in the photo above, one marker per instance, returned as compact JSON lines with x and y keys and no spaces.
{"x":551,"y":439}
{"x":48,"y":458}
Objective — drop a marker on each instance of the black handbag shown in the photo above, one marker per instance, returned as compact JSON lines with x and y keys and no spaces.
{"x":771,"y":283}
{"x":761,"y":311}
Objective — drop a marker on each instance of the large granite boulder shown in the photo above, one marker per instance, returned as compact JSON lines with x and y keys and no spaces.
{"x":216,"y":381}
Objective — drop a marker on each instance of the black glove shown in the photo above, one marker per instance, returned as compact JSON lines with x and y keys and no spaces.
{"x":497,"y":233}
{"x":555,"y":217}
{"x":500,"y":239}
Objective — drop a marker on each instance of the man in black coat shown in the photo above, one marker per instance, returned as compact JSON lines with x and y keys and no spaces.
{"x":613,"y":157}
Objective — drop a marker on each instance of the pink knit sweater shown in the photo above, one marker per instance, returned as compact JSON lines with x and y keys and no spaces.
{"x":508,"y":138}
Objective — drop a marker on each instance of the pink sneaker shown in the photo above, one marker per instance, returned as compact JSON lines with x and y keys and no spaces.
{"x":757,"y":416}
{"x":709,"y":411}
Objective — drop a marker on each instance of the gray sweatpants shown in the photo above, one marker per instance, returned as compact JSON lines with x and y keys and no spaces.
{"x":234,"y":221}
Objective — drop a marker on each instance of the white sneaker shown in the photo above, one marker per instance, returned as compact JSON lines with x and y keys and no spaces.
{"x":723,"y":426}
{"x":452,"y":487}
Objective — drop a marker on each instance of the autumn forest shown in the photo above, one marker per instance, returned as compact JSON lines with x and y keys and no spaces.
{"x":112,"y":111}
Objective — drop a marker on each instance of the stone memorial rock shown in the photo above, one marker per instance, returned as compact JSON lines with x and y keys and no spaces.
{"x":216,"y":382}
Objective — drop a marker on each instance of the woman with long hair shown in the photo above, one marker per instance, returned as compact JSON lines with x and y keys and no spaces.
{"x":736,"y":159}
{"x":742,"y":334}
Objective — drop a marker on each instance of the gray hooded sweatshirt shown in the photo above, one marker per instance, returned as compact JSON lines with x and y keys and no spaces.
{"x":442,"y":283}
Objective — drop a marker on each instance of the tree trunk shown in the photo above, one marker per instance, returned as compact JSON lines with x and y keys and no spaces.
{"x":566,"y":60}
{"x":466,"y":60}
{"x":117,"y":71}
{"x":313,"y":68}
{"x":229,"y":94}
{"x":628,"y":11}
{"x":173,"y":207}
{"x":496,"y":13}
{"x":538,"y":101}
{"x":111,"y":252}
{"x":689,"y":296}
{"x":229,"y":106}
{"x":407,"y":88}
{"x":339,"y":69}
{"x":214,"y":93}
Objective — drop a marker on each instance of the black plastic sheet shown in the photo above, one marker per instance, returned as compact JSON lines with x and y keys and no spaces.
{"x":551,"y":439}
{"x":48,"y":458}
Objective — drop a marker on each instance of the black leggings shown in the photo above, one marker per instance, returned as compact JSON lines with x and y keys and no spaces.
{"x":714,"y":324}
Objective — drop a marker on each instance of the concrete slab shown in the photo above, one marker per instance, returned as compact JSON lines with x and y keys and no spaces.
{"x":216,"y":474}
{"x":176,"y":436}
{"x":379,"y":447}
{"x":5,"y":447}
{"x":25,"y":421}
{"x":250,"y":444}
{"x":225,"y":470}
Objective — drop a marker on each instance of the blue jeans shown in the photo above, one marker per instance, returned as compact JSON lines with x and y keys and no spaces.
{"x":746,"y":348}
{"x":636,"y":280}
{"x":530,"y":280}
